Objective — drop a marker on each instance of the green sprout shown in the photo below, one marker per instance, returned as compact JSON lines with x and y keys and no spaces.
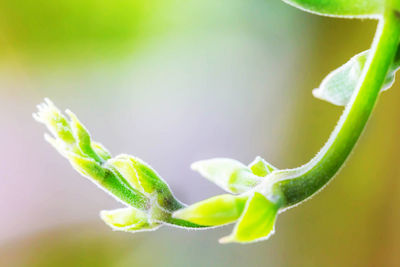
{"x":258,"y":192}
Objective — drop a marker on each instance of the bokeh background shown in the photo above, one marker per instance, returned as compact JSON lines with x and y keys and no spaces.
{"x":172,"y":82}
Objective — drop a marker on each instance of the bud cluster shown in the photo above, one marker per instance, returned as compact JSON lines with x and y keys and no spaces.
{"x":148,"y":198}
{"x":150,"y":203}
{"x":253,"y":211}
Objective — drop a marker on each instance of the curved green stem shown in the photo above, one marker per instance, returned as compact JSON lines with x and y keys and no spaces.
{"x":264,"y":191}
{"x":300,"y":183}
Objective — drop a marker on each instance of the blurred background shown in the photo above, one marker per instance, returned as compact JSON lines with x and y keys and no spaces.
{"x":173,"y":82}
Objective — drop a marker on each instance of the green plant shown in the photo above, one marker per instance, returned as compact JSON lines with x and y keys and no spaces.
{"x":258,"y":192}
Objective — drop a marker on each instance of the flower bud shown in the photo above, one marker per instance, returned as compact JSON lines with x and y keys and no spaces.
{"x":72,"y":140}
{"x":57,"y":124}
{"x":143,"y":178}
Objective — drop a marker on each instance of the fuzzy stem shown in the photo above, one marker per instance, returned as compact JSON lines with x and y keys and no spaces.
{"x":300,"y":183}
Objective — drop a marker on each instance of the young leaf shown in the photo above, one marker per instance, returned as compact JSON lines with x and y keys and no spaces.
{"x":101,"y":151}
{"x":230,"y":175}
{"x":128,"y":219}
{"x":217,"y":210}
{"x":82,"y":137}
{"x":123,"y":165}
{"x":257,"y":221}
{"x":108,"y":180}
{"x":260,"y":167}
{"x":341,"y":8}
{"x":338,"y":87}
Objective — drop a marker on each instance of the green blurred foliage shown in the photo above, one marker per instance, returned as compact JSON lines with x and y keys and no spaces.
{"x":98,"y":29}
{"x":69,"y":26}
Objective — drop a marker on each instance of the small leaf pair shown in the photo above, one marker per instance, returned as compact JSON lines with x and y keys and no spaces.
{"x":255,"y":213}
{"x":232,"y":175}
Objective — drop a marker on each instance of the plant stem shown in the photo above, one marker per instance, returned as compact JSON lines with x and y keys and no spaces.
{"x":300,"y":183}
{"x":295,"y":185}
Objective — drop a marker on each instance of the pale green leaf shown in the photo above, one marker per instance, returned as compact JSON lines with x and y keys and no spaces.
{"x":257,"y":221}
{"x":128,"y":219}
{"x":82,"y":137}
{"x":260,"y":167}
{"x":122,"y":164}
{"x":217,"y":210}
{"x":101,"y":151}
{"x":338,"y":87}
{"x":229,"y":174}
